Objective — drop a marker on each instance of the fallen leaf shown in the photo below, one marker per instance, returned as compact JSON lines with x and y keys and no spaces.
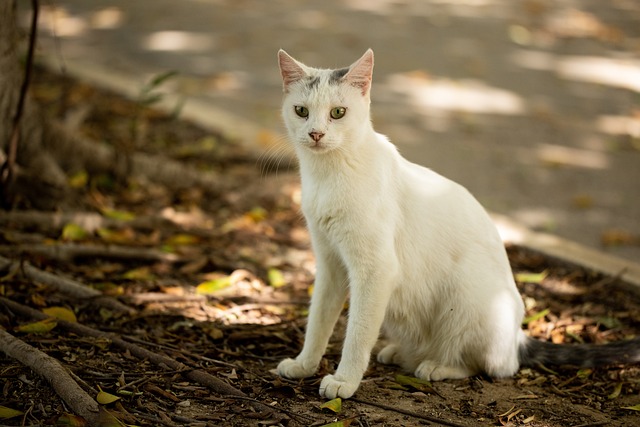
{"x":416,"y":384}
{"x":140,"y":273}
{"x":535,"y":316}
{"x":79,"y":179}
{"x":616,"y":391}
{"x":73,"y":233}
{"x":40,"y":327}
{"x":182,"y":240}
{"x":213,"y":286}
{"x":276,"y":278}
{"x":71,"y":420}
{"x":632,"y":408}
{"x":334,"y":405}
{"x":342,"y":423}
{"x":6,"y":413}
{"x":118,"y":214}
{"x":61,"y":313}
{"x":531,"y":277}
{"x":105,"y":398}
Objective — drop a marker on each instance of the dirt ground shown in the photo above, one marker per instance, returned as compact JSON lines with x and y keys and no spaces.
{"x":220,"y":282}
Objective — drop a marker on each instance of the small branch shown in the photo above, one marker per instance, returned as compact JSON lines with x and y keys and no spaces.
{"x":65,"y":286}
{"x":167,"y":363}
{"x":409,"y":413}
{"x":71,"y":252}
{"x":50,"y":369}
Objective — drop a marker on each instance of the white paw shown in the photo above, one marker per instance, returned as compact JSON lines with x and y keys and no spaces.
{"x":388,"y":355}
{"x":333,"y":386}
{"x":432,"y":371}
{"x":292,"y":368}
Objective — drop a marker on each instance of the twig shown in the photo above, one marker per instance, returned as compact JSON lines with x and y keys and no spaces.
{"x":70,"y":252}
{"x":7,"y":171}
{"x":164,"y":362}
{"x":409,"y":413}
{"x":66,"y":286}
{"x":50,"y":369}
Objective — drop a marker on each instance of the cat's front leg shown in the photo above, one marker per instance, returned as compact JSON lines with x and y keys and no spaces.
{"x":370,"y":294}
{"x":329,"y":295}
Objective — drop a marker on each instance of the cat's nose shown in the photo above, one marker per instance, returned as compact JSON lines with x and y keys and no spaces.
{"x":316,"y":136}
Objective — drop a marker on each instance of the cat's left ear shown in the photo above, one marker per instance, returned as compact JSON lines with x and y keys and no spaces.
{"x":290,"y":69}
{"x":361,"y":72}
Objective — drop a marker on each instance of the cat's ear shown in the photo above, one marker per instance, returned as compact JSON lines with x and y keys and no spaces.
{"x":361,"y":72}
{"x":290,"y":69}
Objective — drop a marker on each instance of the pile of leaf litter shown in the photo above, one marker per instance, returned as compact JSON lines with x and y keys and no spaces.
{"x":172,"y":307}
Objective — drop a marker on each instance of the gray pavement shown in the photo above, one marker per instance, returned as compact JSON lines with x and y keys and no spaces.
{"x":533,"y":105}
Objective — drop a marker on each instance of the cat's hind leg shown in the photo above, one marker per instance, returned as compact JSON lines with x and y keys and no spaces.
{"x":389,"y":355}
{"x":434,"y":371}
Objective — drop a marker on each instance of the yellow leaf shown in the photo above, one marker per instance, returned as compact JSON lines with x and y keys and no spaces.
{"x":616,"y":391}
{"x":105,"y":398}
{"x":276,"y":278}
{"x":535,"y":316}
{"x":257,"y":214}
{"x":343,"y":423}
{"x":633,"y":408}
{"x":212,"y":286}
{"x":71,"y":421}
{"x":61,"y":313}
{"x":116,"y":236}
{"x":41,"y":327}
{"x":119,"y":215}
{"x":79,"y":179}
{"x":531,"y":277}
{"x":140,"y":273}
{"x":334,"y":405}
{"x":182,"y":240}
{"x":73,"y":232}
{"x":6,"y":413}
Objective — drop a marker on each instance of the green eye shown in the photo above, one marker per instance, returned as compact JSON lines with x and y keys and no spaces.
{"x":338,"y":112}
{"x":302,"y":111}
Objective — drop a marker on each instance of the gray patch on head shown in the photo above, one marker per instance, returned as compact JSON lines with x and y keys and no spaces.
{"x":337,"y":75}
{"x":312,"y":82}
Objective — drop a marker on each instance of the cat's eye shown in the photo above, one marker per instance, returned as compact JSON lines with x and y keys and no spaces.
{"x":302,"y":111}
{"x":338,"y":112}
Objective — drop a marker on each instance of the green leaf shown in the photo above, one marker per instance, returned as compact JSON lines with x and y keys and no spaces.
{"x":6,"y":413}
{"x":531,"y":277}
{"x":535,"y":316}
{"x":140,"y":273}
{"x":61,"y":313}
{"x":71,"y":420}
{"x":334,"y":405}
{"x":276,"y":278}
{"x":416,"y":384}
{"x":632,"y":408}
{"x":616,"y":391}
{"x":79,"y":180}
{"x":40,"y":327}
{"x":117,"y":214}
{"x":160,"y":78}
{"x":342,"y":423}
{"x":73,"y":232}
{"x":213,"y":286}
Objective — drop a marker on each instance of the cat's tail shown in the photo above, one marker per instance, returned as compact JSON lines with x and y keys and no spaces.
{"x":533,"y":352}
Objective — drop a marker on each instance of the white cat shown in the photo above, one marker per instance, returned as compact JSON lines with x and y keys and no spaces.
{"x":418,"y":255}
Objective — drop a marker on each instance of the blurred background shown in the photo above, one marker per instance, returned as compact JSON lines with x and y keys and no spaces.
{"x":533,"y":105}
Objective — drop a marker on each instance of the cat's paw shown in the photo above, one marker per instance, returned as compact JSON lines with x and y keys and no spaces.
{"x":333,"y":386}
{"x":389,"y":355}
{"x":294,"y":369}
{"x":432,"y":371}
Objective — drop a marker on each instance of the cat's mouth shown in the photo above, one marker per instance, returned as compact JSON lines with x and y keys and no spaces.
{"x":317,"y":147}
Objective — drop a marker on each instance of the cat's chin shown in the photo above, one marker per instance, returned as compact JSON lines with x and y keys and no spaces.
{"x":318,"y":148}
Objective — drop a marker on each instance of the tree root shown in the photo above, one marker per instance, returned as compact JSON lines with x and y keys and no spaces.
{"x":65,"y":286}
{"x":50,"y":369}
{"x":69,"y":252}
{"x":197,"y":375}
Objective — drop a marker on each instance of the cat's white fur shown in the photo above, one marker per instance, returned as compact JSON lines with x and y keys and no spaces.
{"x":418,"y":255}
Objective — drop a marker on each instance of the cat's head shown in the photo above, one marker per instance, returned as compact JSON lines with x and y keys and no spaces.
{"x":325,"y":109}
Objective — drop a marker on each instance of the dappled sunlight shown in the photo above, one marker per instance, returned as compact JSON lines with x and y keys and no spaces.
{"x":619,"y":125}
{"x":559,"y":155}
{"x":442,"y":94}
{"x":62,"y":23}
{"x":171,"y":41}
{"x":616,"y":72}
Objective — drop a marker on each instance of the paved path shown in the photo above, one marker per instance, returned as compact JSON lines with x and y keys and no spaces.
{"x":533,"y":105}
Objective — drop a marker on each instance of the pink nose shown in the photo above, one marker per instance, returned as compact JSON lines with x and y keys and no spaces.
{"x":316,"y":136}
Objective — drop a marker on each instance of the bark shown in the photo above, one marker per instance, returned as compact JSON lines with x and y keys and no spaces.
{"x":50,"y":369}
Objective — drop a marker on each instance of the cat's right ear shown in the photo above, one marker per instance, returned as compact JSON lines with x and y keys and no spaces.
{"x":290,"y":69}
